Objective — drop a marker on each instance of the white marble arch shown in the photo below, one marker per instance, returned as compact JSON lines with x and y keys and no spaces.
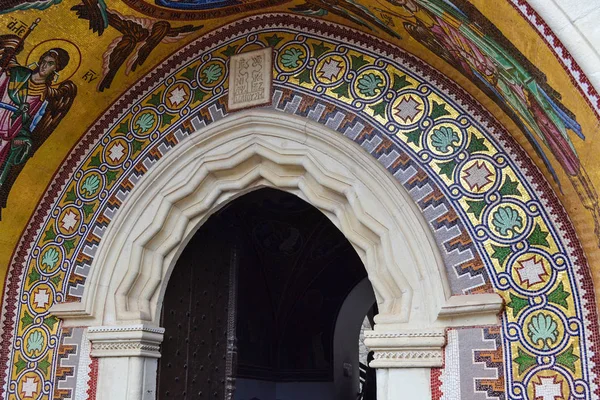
{"x":245,"y":151}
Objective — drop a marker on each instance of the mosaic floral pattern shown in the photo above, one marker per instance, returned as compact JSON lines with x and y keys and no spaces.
{"x":546,"y":333}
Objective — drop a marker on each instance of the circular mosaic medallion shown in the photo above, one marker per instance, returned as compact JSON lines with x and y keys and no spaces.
{"x":35,"y":343}
{"x":145,"y":123}
{"x":30,"y":385}
{"x":370,"y":84}
{"x":116,"y":152}
{"x":292,"y":57}
{"x":178,"y":96}
{"x":330,"y":70}
{"x":41,"y":298}
{"x":531,"y":272}
{"x":50,"y":259}
{"x":211,"y":74}
{"x":548,"y":384}
{"x":69,"y":220}
{"x":477,"y":176}
{"x":444,"y":140}
{"x":90,"y":185}
{"x":408,"y":109}
{"x":507,"y":221}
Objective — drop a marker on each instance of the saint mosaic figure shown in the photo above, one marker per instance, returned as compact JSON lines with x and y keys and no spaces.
{"x":32,"y":104}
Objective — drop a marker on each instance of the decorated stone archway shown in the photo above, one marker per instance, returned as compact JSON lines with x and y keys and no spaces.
{"x":251,"y":150}
{"x":490,"y":211}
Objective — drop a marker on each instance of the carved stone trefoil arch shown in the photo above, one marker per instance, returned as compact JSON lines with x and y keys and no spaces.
{"x":243,"y":152}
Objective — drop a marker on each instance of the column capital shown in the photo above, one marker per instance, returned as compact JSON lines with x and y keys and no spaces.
{"x":422,"y":348}
{"x":126,"y":341}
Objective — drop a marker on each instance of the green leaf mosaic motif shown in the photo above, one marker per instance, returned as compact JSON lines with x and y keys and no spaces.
{"x":369,"y":85}
{"x":91,"y":185}
{"x":50,"y":258}
{"x":506,"y":220}
{"x":444,"y":139}
{"x":212,"y":73}
{"x":543,"y":330}
{"x":292,"y":58}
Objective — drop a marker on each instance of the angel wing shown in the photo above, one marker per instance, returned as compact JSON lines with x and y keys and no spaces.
{"x":347,"y":9}
{"x":162,"y":32}
{"x":59,"y":101}
{"x":115,"y":56}
{"x":309,"y":8}
{"x":94,"y":11}
{"x":365,"y":13}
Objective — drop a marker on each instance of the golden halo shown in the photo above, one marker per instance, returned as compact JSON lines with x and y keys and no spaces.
{"x":70,"y":47}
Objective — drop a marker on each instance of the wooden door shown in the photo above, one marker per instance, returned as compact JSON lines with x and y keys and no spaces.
{"x":198,"y":351}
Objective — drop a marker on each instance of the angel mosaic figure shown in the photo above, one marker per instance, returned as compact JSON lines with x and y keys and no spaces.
{"x":31,"y":105}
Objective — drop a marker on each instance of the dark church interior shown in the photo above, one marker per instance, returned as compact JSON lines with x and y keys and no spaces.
{"x":276,"y":271}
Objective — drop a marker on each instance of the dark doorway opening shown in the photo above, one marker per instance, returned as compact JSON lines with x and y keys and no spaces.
{"x":254,"y":308}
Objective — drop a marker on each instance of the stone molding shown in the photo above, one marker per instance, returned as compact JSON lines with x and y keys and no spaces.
{"x":407,"y":349}
{"x":474,"y":309}
{"x":423,"y":358}
{"x":121,"y":329}
{"x":126,"y":341}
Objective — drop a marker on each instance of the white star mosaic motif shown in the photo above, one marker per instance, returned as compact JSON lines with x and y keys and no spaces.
{"x":41,"y":298}
{"x":69,"y":220}
{"x":177,"y":96}
{"x":531,"y":271}
{"x":330,"y":69}
{"x":478,"y":176}
{"x":408,"y":109}
{"x":29,"y":388}
{"x":548,"y":389}
{"x":116,"y":152}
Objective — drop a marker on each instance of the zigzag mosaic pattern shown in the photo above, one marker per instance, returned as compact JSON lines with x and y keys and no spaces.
{"x":474,"y":365}
{"x":476,"y":189}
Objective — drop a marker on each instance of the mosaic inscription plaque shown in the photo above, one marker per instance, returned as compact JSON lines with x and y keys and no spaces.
{"x":250,"y":79}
